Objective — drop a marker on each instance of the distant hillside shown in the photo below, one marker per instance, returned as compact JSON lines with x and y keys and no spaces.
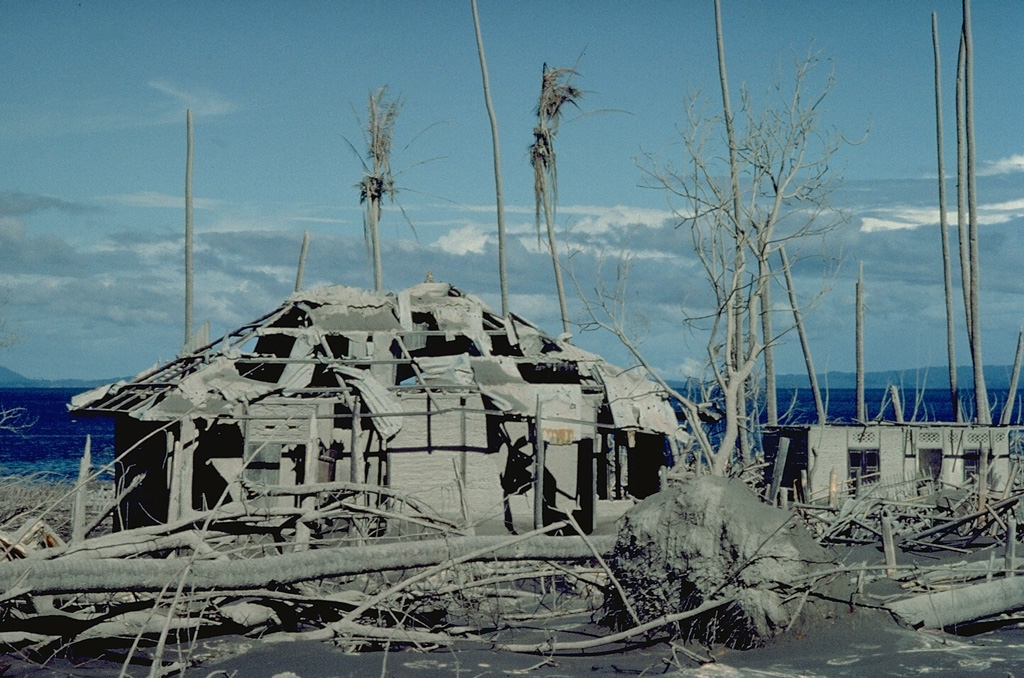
{"x":996,"y":376}
{"x":11,"y":379}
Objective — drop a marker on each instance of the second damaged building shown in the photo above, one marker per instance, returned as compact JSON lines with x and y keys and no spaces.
{"x":426,"y":391}
{"x":818,"y":459}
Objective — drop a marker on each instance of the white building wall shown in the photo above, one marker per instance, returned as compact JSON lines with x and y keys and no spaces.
{"x":429,"y":454}
{"x":898,"y":447}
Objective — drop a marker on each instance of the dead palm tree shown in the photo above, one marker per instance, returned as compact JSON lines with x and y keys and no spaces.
{"x":947,"y":265}
{"x":556,"y":92}
{"x":189,"y":271}
{"x":499,"y":197}
{"x":377,"y":182}
{"x":984,"y":413}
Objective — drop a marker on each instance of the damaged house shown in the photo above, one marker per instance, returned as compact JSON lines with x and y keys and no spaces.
{"x":427,"y":392}
{"x":813,"y":459}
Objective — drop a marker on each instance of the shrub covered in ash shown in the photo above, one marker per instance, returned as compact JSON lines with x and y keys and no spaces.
{"x":709,"y":538}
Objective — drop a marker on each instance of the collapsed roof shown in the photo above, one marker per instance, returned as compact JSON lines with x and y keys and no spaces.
{"x":349,"y":344}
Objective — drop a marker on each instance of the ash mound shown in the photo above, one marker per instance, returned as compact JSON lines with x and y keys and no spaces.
{"x":710,"y":539}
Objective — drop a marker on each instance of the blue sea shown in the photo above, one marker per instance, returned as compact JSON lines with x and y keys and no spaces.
{"x":54,"y":442}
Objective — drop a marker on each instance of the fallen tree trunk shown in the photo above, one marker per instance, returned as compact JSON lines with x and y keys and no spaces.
{"x":941,"y":609}
{"x":67,"y":575}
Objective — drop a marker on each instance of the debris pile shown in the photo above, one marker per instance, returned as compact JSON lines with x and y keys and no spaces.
{"x":709,"y":540}
{"x":148,"y":595}
{"x":948,"y":553}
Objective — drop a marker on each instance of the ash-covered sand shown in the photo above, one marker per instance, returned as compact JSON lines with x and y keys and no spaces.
{"x":862,"y":645}
{"x":855,"y":645}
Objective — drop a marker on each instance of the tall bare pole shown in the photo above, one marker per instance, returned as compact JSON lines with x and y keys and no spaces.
{"x":300,"y":272}
{"x":188,"y":228}
{"x":730,"y":132}
{"x":819,"y":406}
{"x":961,"y":188}
{"x":499,"y":199}
{"x":1011,"y":395}
{"x":984,"y":413}
{"x":862,"y":411}
{"x":771,"y":398}
{"x":733,"y":310}
{"x":947,"y":272}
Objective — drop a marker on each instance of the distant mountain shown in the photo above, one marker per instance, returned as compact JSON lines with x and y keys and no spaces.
{"x":11,"y":379}
{"x":996,"y":376}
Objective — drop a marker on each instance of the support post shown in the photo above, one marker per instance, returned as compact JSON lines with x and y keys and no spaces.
{"x":778,"y":469}
{"x":464,"y":440}
{"x":982,"y":476}
{"x":888,"y":545}
{"x":311,"y":460}
{"x":356,"y":467}
{"x":897,"y":403}
{"x":174,"y":493}
{"x":81,"y":494}
{"x":1011,"y":543}
{"x":538,"y":480}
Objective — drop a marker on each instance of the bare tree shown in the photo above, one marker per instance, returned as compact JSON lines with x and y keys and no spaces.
{"x":556,"y":92}
{"x":784,"y":180}
{"x":606,"y":309}
{"x":12,"y":419}
{"x":862,"y":411}
{"x":984,"y":413}
{"x":776,"y":191}
{"x":189,"y":274}
{"x":500,"y":202}
{"x":947,"y":273}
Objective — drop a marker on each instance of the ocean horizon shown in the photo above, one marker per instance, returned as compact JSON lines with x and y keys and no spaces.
{"x":53,"y":445}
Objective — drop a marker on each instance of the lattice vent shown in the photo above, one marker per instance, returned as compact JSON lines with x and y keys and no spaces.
{"x":864,"y":436}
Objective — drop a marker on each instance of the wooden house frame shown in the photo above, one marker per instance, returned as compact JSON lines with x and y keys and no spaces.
{"x":426,"y":391}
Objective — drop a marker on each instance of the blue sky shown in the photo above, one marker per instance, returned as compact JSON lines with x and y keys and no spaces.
{"x":93,"y":141}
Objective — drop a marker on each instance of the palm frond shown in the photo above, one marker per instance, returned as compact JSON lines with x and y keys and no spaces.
{"x":556,"y":92}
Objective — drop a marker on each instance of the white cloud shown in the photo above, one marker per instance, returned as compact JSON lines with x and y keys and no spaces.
{"x":596,"y":220}
{"x":1009,"y":206}
{"x":872,"y":225}
{"x":537,"y":308}
{"x":689,"y":368}
{"x":464,"y":240}
{"x":202,"y":103}
{"x":509,"y":209}
{"x":154,"y":199}
{"x":155,"y":252}
{"x":907,"y":218}
{"x":320,"y":220}
{"x":1014,"y":163}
